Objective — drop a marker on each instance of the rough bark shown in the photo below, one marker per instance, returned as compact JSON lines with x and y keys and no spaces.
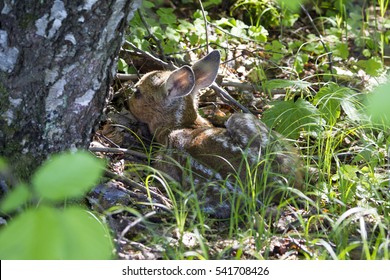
{"x":57,"y":60}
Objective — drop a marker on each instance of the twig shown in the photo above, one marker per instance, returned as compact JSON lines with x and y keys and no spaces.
{"x":152,"y":57}
{"x":137,"y":221}
{"x":321,"y":40}
{"x":228,"y":97}
{"x":107,"y":139}
{"x":239,"y":85}
{"x":127,"y":77}
{"x":205,"y":25}
{"x":118,"y":151}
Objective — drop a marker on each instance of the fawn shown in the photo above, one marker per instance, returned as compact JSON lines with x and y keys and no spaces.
{"x":167,"y":102}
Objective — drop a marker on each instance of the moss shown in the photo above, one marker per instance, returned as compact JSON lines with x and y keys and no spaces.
{"x":27,"y":20}
{"x":26,"y":166}
{"x":4,"y":95}
{"x":23,"y":166}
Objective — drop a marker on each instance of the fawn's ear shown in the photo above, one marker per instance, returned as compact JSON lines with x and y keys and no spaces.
{"x":206,"y":69}
{"x":180,"y":82}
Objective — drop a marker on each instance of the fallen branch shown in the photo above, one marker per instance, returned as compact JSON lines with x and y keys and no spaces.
{"x":118,"y":151}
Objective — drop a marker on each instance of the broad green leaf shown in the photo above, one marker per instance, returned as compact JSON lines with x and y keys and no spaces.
{"x":313,"y":45}
{"x":148,"y":4}
{"x":300,"y":61}
{"x":293,"y":5}
{"x":289,"y":118}
{"x":158,"y":32}
{"x":277,"y":49}
{"x":223,"y":22}
{"x":258,"y":33}
{"x":49,"y":233}
{"x":372,"y":66}
{"x":328,"y":100}
{"x":15,"y":198}
{"x":378,"y":105}
{"x":352,"y":108}
{"x":167,"y":16}
{"x":122,"y":66}
{"x":238,"y":32}
{"x":289,"y":19}
{"x":280,"y":83}
{"x":332,"y":97}
{"x":185,"y":26}
{"x":240,"y":24}
{"x":341,"y":50}
{"x":210,"y":3}
{"x":172,"y":35}
{"x":84,"y":235}
{"x":193,"y":38}
{"x":199,"y":25}
{"x":67,"y":175}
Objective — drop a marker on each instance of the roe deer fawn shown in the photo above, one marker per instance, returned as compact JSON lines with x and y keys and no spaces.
{"x":167,"y":102}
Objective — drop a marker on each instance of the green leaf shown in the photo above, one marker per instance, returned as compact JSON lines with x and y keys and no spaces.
{"x":210,"y":3}
{"x":281,"y":83}
{"x":378,"y":104}
{"x":49,"y":233}
{"x":300,"y":61}
{"x":167,"y":16}
{"x":372,"y":66}
{"x":158,"y":32}
{"x":239,"y":24}
{"x":238,"y":32}
{"x":193,"y":38}
{"x":352,"y":108}
{"x":15,"y":198}
{"x":148,"y":4}
{"x":341,"y":50}
{"x":289,"y":118}
{"x":332,"y":97}
{"x":293,"y":5}
{"x":328,"y":100}
{"x":185,"y":26}
{"x":313,"y":45}
{"x":258,"y":33}
{"x":289,"y":19}
{"x":68,"y":175}
{"x":172,"y":35}
{"x":123,"y":66}
{"x":223,"y":22}
{"x":278,"y":50}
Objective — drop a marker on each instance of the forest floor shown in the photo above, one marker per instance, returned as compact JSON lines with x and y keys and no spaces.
{"x":345,"y":212}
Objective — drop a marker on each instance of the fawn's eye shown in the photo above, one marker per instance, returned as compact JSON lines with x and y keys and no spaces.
{"x":137,"y":94}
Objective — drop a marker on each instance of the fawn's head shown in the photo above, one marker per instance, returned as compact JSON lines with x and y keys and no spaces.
{"x":165,"y":99}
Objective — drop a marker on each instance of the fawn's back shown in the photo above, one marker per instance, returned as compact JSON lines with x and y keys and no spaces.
{"x":167,"y":103}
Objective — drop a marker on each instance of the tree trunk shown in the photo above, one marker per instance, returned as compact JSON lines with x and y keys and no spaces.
{"x":57,"y":60}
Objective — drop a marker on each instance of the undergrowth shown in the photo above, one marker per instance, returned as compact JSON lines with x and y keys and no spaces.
{"x":322,"y":74}
{"x":309,"y":80}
